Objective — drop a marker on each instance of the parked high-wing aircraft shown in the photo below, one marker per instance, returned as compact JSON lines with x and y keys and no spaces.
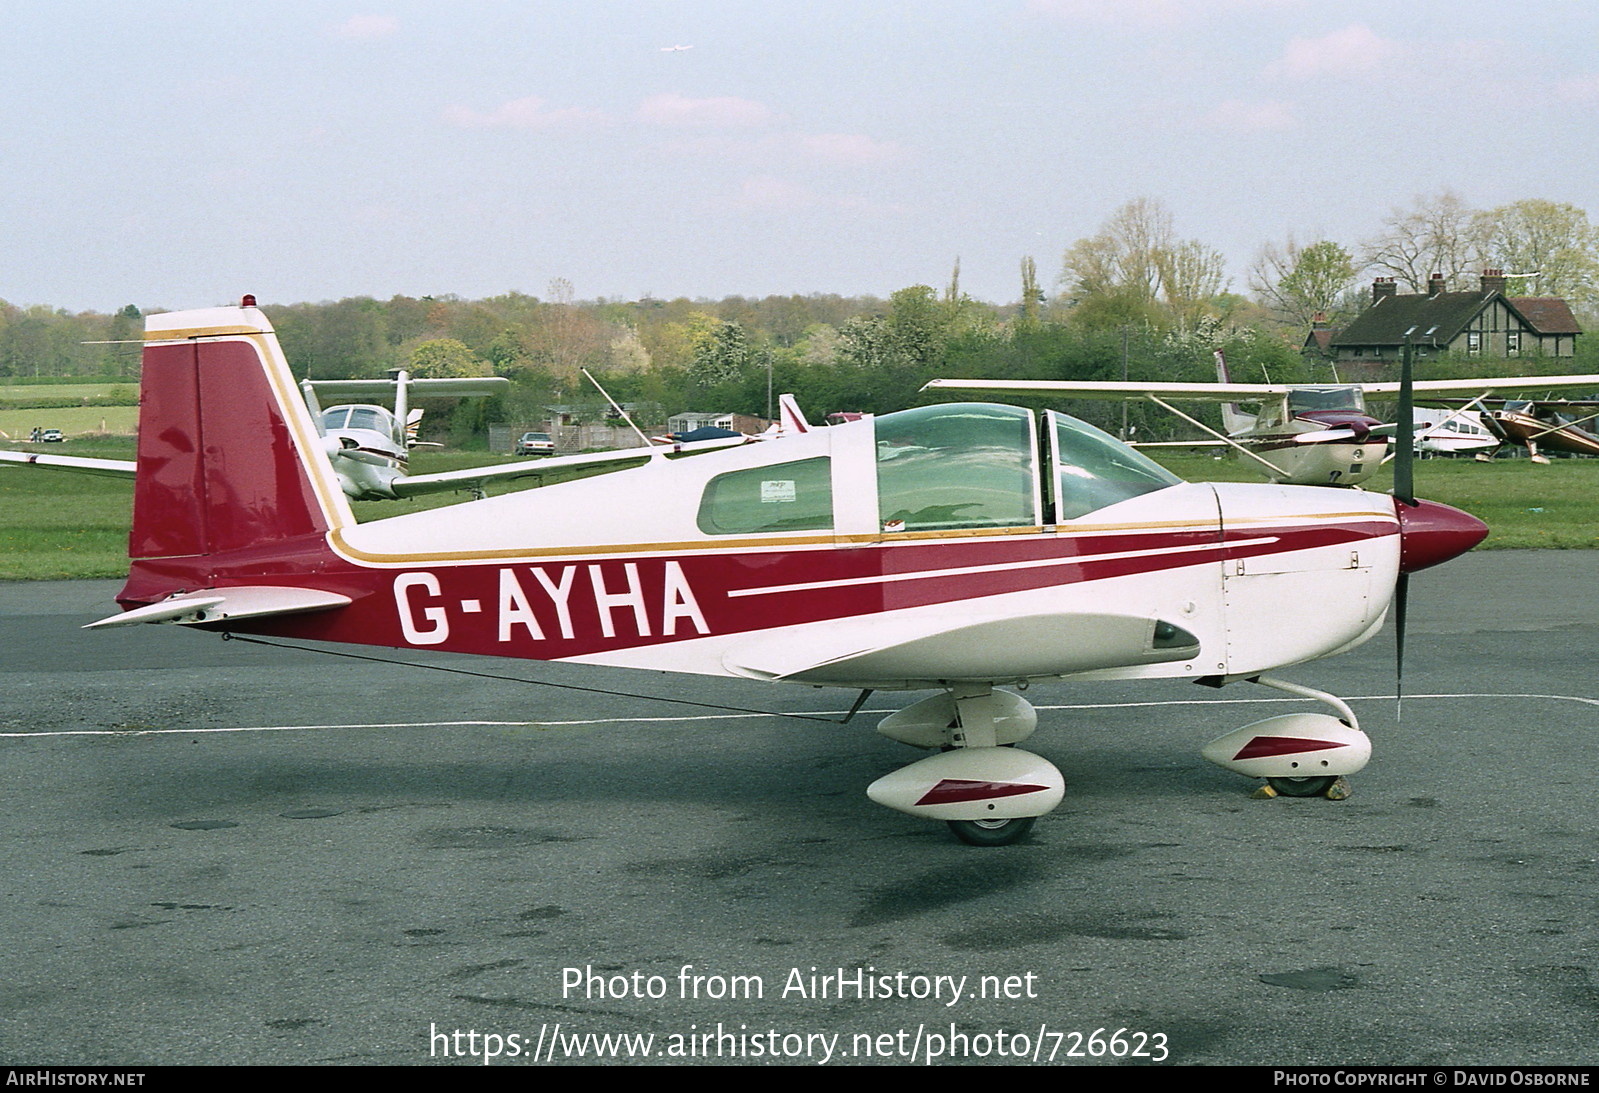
{"x":1303,"y":434}
{"x":955,"y":548}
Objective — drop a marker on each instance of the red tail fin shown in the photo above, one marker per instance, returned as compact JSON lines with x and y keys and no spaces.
{"x":228,"y":462}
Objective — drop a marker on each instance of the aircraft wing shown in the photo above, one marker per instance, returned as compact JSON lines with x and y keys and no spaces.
{"x":1116,"y":389}
{"x":1487,"y":386}
{"x":110,"y":468}
{"x":417,"y":484}
{"x":1249,"y":392}
{"x":464,"y":387}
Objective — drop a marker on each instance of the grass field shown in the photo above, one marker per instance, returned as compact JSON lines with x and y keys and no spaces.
{"x":30,"y":394}
{"x":61,"y":526}
{"x":75,"y":421}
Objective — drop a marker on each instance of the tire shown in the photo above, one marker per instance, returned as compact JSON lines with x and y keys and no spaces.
{"x":991,"y":832}
{"x":1302,"y":787}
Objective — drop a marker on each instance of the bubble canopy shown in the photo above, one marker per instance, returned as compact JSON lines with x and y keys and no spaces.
{"x":977,"y":465}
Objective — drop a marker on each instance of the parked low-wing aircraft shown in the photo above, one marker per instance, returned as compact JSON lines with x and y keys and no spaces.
{"x":1458,"y":432}
{"x":955,"y":548}
{"x":1549,"y":425}
{"x":1303,"y":434}
{"x":370,"y":445}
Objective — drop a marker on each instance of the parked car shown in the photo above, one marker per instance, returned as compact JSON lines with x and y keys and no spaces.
{"x":535,"y":444}
{"x":51,"y":436}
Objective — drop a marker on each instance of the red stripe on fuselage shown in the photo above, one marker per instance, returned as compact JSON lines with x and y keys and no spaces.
{"x":554,"y":608}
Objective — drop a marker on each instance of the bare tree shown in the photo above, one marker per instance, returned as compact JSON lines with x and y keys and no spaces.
{"x":1192,"y":275}
{"x":1124,"y":256}
{"x":1135,"y":265}
{"x":1437,"y":234}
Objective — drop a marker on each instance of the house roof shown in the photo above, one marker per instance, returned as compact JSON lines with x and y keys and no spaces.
{"x":1439,"y":319}
{"x":1547,"y":314}
{"x":1385,"y":321}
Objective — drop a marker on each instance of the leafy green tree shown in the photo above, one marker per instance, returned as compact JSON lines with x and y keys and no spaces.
{"x":721,"y":353}
{"x":1297,"y":283}
{"x":1553,"y":244}
{"x":445,"y":358}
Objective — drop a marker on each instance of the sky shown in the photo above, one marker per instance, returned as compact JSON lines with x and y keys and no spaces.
{"x":179,"y":154}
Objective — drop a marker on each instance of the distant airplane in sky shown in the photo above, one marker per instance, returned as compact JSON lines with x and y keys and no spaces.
{"x":674,"y":49}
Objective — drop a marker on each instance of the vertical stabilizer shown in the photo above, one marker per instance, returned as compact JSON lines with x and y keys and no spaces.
{"x":229,"y":462}
{"x":1233,"y":419}
{"x":792,"y":417}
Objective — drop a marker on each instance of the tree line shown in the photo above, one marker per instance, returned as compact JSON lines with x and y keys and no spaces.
{"x":1133,"y":300}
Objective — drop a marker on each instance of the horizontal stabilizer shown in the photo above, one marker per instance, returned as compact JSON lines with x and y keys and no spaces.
{"x":460,"y":387}
{"x":110,"y":468}
{"x":220,"y":604}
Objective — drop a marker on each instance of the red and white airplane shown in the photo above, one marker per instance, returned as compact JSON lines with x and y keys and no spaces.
{"x":955,"y":548}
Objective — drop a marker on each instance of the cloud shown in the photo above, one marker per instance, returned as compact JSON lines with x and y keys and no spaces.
{"x":358,"y":27}
{"x":1355,"y":50}
{"x":1149,"y":13}
{"x":1237,"y":115}
{"x":850,"y":149}
{"x":528,"y":113}
{"x":679,"y":111}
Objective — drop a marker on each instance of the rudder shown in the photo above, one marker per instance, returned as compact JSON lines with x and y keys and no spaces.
{"x":227,"y":456}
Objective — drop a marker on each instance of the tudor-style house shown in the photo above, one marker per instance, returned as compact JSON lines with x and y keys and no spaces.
{"x":1485,"y":323}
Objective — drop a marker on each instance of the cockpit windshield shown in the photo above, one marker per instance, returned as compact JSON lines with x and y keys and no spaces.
{"x":1094,"y":470}
{"x":374,"y":418}
{"x":1301,"y":399}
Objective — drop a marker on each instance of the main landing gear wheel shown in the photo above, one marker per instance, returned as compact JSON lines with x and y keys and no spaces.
{"x":991,"y":832}
{"x":1302,"y":787}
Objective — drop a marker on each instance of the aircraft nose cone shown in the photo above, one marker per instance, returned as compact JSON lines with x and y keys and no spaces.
{"x":1430,"y":533}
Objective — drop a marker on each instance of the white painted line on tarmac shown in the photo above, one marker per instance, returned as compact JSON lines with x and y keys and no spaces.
{"x":748,"y":716}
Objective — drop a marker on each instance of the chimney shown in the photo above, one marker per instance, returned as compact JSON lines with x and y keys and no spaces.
{"x":1493,"y":280}
{"x":1383,"y":286}
{"x":1435,"y":285}
{"x":1319,"y":321}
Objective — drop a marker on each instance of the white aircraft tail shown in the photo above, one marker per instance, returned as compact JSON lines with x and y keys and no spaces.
{"x":791,"y":416}
{"x":1233,"y":419}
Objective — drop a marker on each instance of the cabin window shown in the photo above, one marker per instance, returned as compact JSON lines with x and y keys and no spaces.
{"x":1094,"y":470}
{"x":1473,"y":343}
{"x":1301,"y":399}
{"x":794,"y":496}
{"x":1512,"y":343}
{"x":960,"y":465}
{"x":362,"y":417}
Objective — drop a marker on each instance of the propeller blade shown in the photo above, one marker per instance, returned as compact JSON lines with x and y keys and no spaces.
{"x":1405,"y":437}
{"x":1401,"y":595}
{"x":1325,"y":436}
